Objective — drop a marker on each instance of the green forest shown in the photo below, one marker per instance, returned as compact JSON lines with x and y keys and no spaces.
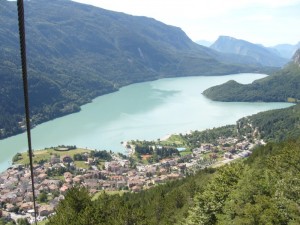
{"x":264,"y":189}
{"x":274,"y":125}
{"x":282,"y":86}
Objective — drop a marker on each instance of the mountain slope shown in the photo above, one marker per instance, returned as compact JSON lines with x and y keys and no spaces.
{"x":76,"y":52}
{"x":261,"y":190}
{"x":274,"y":125}
{"x":258,"y":53}
{"x":281,"y":87}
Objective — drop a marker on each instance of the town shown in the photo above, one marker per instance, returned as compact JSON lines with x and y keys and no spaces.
{"x":99,"y":171}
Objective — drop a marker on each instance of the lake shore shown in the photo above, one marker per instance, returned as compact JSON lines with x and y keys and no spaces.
{"x":144,"y":111}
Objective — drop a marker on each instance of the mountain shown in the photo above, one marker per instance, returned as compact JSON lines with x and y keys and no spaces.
{"x":204,"y":43}
{"x":296,"y":57}
{"x":76,"y":52}
{"x":286,"y":50}
{"x":258,"y":53}
{"x":283,"y":86}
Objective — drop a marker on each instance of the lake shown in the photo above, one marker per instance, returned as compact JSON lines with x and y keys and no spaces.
{"x":145,"y":111}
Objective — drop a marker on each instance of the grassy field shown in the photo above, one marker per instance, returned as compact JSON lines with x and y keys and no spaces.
{"x":174,"y":140}
{"x":185,"y":152}
{"x":81,"y":164}
{"x":46,"y":155}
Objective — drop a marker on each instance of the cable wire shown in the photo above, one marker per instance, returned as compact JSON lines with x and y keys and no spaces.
{"x":26,"y":96}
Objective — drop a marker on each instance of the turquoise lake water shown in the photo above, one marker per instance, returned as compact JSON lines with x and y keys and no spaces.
{"x":145,"y":111}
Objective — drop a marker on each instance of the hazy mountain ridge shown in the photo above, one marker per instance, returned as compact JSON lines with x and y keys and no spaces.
{"x":283,"y":86}
{"x":76,"y":52}
{"x":286,"y":50}
{"x":256,"y":53}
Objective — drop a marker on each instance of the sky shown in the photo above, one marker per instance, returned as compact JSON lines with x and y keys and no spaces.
{"x":267,"y":22}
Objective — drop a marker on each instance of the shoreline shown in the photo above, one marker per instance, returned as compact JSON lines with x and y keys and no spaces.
{"x":17,"y":144}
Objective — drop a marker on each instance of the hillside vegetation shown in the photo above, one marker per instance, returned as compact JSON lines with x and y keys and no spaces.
{"x":274,"y":125}
{"x":262,"y":190}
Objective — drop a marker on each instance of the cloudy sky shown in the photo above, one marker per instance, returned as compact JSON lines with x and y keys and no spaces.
{"x":267,"y":22}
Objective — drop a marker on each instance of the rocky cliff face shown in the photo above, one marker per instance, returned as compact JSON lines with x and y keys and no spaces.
{"x":256,"y":53}
{"x":296,"y":57}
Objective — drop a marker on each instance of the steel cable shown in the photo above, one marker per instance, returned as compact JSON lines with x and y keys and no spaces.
{"x":26,"y":96}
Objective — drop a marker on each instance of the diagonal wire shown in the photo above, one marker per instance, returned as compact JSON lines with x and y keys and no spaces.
{"x":26,"y":97}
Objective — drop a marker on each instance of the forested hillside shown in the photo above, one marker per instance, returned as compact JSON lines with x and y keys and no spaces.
{"x":283,"y":86}
{"x":76,"y":52}
{"x":164,"y":204}
{"x":274,"y":125}
{"x":261,"y":190}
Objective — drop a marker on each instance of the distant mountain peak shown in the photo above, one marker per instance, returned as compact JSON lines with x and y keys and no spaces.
{"x":256,"y":52}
